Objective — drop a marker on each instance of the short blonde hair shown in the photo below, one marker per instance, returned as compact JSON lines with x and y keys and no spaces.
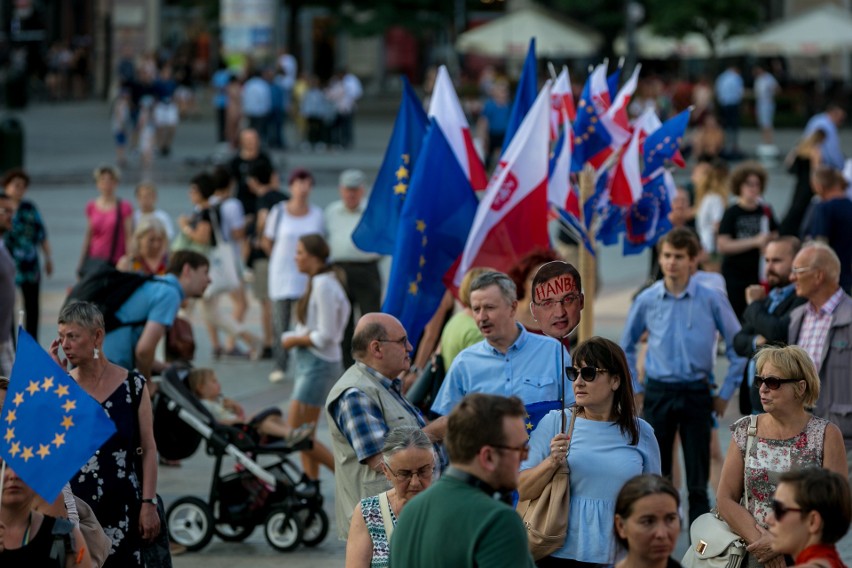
{"x":197,"y":377}
{"x":792,"y":362}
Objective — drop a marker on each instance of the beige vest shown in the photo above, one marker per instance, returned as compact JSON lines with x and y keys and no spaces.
{"x":353,"y":480}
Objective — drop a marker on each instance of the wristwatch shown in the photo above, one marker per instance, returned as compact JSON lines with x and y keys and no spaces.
{"x":152,"y":501}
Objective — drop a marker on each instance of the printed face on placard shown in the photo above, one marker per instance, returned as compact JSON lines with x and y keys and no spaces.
{"x":557,"y":304}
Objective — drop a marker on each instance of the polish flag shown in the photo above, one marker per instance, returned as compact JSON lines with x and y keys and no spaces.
{"x":615,"y":119}
{"x":511,"y":219}
{"x":559,"y":189}
{"x":561,"y":103}
{"x":447,"y":110}
{"x":626,"y":186}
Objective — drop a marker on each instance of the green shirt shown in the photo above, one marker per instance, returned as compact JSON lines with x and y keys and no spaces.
{"x":460,"y":333}
{"x":455,"y":524}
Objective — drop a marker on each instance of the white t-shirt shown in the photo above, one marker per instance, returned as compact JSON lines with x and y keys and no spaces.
{"x":709,"y":214}
{"x":285,"y":280}
{"x":328,"y":313}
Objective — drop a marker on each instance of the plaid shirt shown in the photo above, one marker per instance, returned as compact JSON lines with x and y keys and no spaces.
{"x":361,"y":420}
{"x":815,"y":326}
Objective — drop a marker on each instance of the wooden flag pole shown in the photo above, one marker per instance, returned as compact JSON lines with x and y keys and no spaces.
{"x":588,"y":267}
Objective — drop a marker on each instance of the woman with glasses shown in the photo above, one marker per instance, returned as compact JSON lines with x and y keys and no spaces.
{"x":788,"y":437}
{"x":408,"y":462}
{"x":810,"y":513}
{"x":610,"y":444}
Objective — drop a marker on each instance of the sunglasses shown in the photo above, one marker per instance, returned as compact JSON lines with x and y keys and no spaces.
{"x":779,"y":509}
{"x":588,"y":373}
{"x":772,"y":383}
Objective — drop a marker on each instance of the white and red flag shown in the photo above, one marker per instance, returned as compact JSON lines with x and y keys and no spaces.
{"x":447,"y":110}
{"x":511,"y":219}
{"x":561,"y":104}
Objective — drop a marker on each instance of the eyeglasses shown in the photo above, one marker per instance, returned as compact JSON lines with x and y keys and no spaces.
{"x":551,"y":304}
{"x":779,"y":509}
{"x":523,"y":449}
{"x":589,"y":374}
{"x":799,"y":269}
{"x":404,"y":475}
{"x":772,"y":383}
{"x":402,"y":340}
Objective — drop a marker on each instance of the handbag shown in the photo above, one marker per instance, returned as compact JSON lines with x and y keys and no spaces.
{"x":224,"y":274}
{"x":712,"y":542}
{"x":180,"y":340}
{"x":424,"y":390}
{"x":546,"y":516}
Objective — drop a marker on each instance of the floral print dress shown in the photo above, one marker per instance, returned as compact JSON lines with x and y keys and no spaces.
{"x":109,"y":481}
{"x":371,"y":510}
{"x":770,"y":458}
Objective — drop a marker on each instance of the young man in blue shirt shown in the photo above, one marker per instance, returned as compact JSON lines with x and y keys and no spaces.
{"x":682,"y":318}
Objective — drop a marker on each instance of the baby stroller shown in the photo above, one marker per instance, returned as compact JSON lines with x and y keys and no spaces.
{"x":275,"y":494}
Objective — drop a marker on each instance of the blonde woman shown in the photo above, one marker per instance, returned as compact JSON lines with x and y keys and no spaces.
{"x":149,"y":247}
{"x":711,"y":200}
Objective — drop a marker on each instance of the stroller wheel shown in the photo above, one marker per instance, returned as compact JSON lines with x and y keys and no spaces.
{"x":232,"y":533}
{"x":283,"y":530}
{"x":190,"y":523}
{"x":315,"y":524}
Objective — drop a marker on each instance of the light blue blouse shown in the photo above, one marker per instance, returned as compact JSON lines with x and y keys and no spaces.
{"x":601,"y":461}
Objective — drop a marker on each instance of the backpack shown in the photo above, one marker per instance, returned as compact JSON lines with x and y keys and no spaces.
{"x":108,"y":289}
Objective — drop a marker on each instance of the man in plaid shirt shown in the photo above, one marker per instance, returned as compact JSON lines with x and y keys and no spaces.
{"x":363,"y":406}
{"x":823,"y":328}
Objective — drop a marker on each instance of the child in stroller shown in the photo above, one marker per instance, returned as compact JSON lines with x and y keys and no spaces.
{"x":205,"y":385}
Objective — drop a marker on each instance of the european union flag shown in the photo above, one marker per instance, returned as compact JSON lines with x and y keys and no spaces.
{"x":538,"y":410}
{"x":433,"y":228}
{"x":376,"y":232}
{"x":663,"y":143}
{"x":591,"y":139}
{"x":50,"y":426}
{"x":525,"y":96}
{"x":648,"y":219}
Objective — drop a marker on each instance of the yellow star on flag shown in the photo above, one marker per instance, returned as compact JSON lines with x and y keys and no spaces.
{"x":529,"y":426}
{"x":43,"y":451}
{"x":422,"y":260}
{"x":421,"y":225}
{"x":67,"y":422}
{"x":412,"y":288}
{"x":405,"y":158}
{"x":33,"y":388}
{"x":10,"y":434}
{"x":47,"y":384}
{"x":400,"y":189}
{"x":61,"y":390}
{"x":10,"y":416}
{"x":69,"y":405}
{"x":401,"y":173}
{"x":27,"y":454}
{"x":19,"y":399}
{"x":58,"y":439}
{"x":15,"y":449}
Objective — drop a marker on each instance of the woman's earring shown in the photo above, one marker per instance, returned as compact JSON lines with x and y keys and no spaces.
{"x":97,"y":353}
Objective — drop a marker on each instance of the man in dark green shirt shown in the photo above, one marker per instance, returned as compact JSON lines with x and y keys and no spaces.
{"x":465,"y":518}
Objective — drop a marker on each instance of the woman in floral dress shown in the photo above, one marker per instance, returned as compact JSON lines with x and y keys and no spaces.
{"x":788,"y":437}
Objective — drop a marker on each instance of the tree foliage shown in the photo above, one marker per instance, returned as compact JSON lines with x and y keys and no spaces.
{"x":716,"y":20}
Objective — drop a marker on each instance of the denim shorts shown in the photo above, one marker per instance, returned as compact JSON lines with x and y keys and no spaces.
{"x":314,"y":377}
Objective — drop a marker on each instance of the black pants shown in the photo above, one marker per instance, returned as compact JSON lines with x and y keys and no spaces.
{"x":553,"y":562}
{"x":30,"y":293}
{"x":364,"y":290}
{"x":730,"y":115}
{"x":683,"y":408}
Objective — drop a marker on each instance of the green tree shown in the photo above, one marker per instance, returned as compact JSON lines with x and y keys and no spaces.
{"x":604,"y":16}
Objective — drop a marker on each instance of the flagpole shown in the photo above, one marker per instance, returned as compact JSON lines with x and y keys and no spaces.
{"x":587,"y":268}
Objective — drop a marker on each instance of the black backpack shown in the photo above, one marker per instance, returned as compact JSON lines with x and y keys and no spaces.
{"x":108,"y":289}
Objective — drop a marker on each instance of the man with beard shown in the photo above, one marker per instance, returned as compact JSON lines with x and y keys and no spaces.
{"x":767,"y":316}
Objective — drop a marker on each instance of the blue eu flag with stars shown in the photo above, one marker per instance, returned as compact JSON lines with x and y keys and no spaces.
{"x":538,"y":410}
{"x":525,"y":96}
{"x":50,"y":426}
{"x":376,"y":232}
{"x":433,"y":228}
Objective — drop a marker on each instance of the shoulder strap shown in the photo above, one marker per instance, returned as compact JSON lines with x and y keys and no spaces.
{"x":752,"y":433}
{"x":384,"y":505}
{"x":215,"y":222}
{"x":570,"y":428}
{"x":117,"y":230}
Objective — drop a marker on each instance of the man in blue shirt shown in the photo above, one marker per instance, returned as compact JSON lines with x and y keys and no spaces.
{"x":829,"y":121}
{"x":510,"y":361}
{"x":729,"y":95}
{"x":155,"y":303}
{"x":681,"y":318}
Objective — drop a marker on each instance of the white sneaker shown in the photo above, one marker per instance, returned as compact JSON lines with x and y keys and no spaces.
{"x":277,"y":376}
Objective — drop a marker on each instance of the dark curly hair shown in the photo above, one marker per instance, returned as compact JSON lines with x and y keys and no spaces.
{"x":535,"y":258}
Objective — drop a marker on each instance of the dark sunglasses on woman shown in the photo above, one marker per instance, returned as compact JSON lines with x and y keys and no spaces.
{"x":779,"y":509}
{"x":772,"y":383}
{"x":588,"y":373}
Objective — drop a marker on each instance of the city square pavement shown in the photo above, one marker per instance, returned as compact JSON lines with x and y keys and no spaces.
{"x":65,"y":142}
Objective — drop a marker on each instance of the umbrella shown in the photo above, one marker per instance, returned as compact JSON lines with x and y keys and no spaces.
{"x":825,"y":29}
{"x":509,"y":36}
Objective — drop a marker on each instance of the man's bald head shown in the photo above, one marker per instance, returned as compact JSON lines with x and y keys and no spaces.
{"x":379,"y":341}
{"x":825,"y":259}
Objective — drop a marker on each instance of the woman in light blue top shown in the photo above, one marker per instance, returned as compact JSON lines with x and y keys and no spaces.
{"x":610,"y":445}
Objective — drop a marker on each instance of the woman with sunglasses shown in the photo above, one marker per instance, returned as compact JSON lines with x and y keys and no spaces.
{"x":810,"y":512}
{"x":610,"y":445}
{"x":788,"y":437}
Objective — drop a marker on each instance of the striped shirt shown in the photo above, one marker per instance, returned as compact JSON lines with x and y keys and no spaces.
{"x":815,"y":326}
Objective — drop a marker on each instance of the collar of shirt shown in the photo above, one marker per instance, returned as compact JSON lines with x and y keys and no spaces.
{"x":688,"y":291}
{"x":778,"y":295}
{"x":829,"y":306}
{"x":390,"y":384}
{"x":516,"y":346}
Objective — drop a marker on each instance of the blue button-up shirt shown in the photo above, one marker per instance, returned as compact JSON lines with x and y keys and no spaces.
{"x":729,"y":88}
{"x":681,"y":330}
{"x":831,"y":151}
{"x":531,"y":370}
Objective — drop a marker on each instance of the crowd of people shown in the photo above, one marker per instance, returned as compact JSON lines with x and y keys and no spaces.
{"x":775,"y":294}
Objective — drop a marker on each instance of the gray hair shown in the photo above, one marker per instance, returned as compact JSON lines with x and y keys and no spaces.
{"x":84,"y":314}
{"x":824,"y":259}
{"x":493,"y":278}
{"x":402,"y":438}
